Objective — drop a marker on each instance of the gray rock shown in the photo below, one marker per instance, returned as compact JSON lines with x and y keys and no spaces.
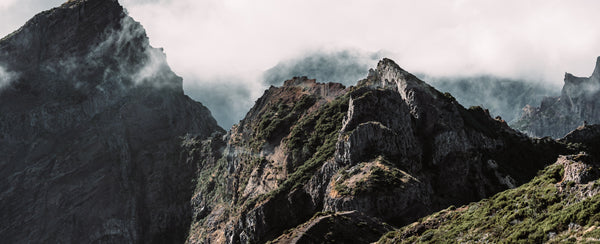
{"x":400,"y":150}
{"x":557,"y":116}
{"x":90,"y":132}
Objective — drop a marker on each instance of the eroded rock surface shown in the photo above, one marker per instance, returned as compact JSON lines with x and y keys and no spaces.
{"x":392,"y":148}
{"x":90,"y":132}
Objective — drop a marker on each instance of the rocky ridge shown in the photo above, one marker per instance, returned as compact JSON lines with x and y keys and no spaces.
{"x":98,"y":143}
{"x":560,"y":205}
{"x":557,"y":116}
{"x":392,"y":148}
{"x":90,"y":131}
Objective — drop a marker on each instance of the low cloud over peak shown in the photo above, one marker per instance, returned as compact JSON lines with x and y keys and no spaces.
{"x":206,"y":41}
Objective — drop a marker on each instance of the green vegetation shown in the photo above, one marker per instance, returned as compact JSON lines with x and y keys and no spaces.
{"x":244,"y":176}
{"x":313,"y":137}
{"x":532,"y":213}
{"x":278,"y":122}
{"x":210,"y":184}
{"x":384,"y":178}
{"x":449,"y":96}
{"x":379,"y":178}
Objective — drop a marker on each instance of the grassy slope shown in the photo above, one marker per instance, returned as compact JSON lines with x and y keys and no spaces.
{"x":532,"y":213}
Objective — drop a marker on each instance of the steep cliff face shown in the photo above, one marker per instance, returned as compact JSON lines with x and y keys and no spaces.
{"x":557,"y":116}
{"x":90,"y":127}
{"x":392,"y":148}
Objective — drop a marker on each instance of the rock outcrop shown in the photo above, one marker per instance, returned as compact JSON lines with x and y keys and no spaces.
{"x":90,"y":132}
{"x":392,"y":148}
{"x":557,"y":116}
{"x":342,"y":227}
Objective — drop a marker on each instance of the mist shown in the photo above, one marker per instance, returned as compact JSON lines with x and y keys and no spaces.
{"x":501,"y":96}
{"x":229,"y":51}
{"x":6,"y":77}
{"x":228,"y":98}
{"x":537,"y":40}
{"x":341,"y":66}
{"x":150,"y":68}
{"x":504,"y":97}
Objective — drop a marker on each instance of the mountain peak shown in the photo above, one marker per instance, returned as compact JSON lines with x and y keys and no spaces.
{"x":83,"y":40}
{"x":390,"y":75}
{"x":74,"y":2}
{"x":107,"y":117}
{"x":596,"y":73}
{"x":65,"y":30}
{"x":388,"y":63}
{"x":557,"y":116}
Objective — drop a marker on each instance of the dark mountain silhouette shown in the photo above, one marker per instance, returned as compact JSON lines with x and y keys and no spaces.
{"x":90,"y":132}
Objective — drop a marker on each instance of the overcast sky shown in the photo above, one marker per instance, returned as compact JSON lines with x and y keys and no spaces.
{"x":239,"y":39}
{"x":541,"y":38}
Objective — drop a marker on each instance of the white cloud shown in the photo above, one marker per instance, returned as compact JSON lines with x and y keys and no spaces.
{"x":6,"y":77}
{"x":4,"y":4}
{"x":211,"y":39}
{"x":538,"y":39}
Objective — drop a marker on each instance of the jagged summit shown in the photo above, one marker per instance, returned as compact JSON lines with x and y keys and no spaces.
{"x":71,"y":2}
{"x":392,"y":148}
{"x":596,"y":73}
{"x":83,"y":40}
{"x":77,"y":3}
{"x":389,"y":75}
{"x":594,"y":78}
{"x":557,"y":116}
{"x":82,"y":21}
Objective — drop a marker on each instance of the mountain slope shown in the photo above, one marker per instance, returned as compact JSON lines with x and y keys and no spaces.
{"x":557,"y":116}
{"x":90,"y":128}
{"x":561,"y":205}
{"x":392,"y":148}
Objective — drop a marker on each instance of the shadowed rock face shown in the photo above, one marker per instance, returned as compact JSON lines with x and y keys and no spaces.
{"x":557,"y":116}
{"x":90,"y":129}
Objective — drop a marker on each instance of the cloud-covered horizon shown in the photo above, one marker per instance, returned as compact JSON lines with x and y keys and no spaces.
{"x":229,"y":44}
{"x":536,"y":39}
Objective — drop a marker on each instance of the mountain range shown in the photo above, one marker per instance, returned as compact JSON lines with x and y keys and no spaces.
{"x":99,"y":144}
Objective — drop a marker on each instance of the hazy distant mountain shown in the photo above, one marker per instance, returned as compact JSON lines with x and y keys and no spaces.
{"x":503,"y":97}
{"x":345,"y":67}
{"x":577,"y":104}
